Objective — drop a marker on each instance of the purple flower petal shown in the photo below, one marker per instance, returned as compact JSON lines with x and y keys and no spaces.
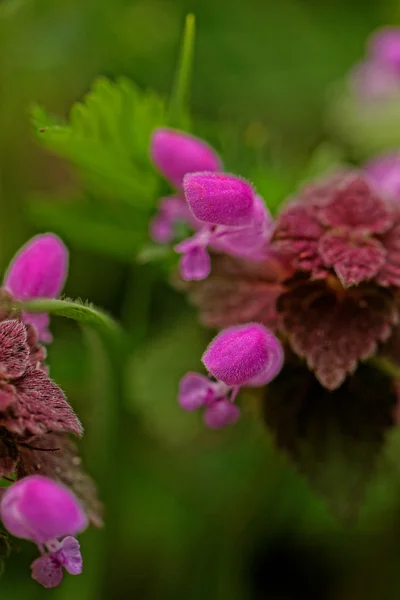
{"x":47,"y":571}
{"x":219,"y":198}
{"x":221,"y":413}
{"x":239,"y":353}
{"x":38,"y":270}
{"x":195,"y":390}
{"x":69,"y":555}
{"x":40,"y":509}
{"x":176,"y":153}
{"x":384,"y":170}
{"x":384,"y":47}
{"x":195,"y":264}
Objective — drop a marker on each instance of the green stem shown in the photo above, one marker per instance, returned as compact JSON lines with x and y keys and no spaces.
{"x":179,"y":96}
{"x":386,"y":366}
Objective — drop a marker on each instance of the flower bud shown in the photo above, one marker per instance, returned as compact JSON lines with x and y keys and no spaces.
{"x":176,"y":153}
{"x":219,"y":199}
{"x":241,"y":353}
{"x":39,"y":509}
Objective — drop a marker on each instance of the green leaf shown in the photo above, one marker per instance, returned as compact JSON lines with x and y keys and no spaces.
{"x":178,"y":106}
{"x":85,"y":314}
{"x":95,"y":225}
{"x":107,"y":139}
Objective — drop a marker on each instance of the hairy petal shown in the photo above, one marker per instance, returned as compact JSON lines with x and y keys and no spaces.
{"x":332,"y":333}
{"x":354,"y":258}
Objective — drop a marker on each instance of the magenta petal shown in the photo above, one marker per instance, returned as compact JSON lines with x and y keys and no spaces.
{"x":40,"y":509}
{"x":239,"y":353}
{"x":176,"y":153}
{"x":221,"y":413}
{"x":195,"y":390}
{"x":273,"y":367}
{"x":354,"y":258}
{"x":195,"y":264}
{"x":219,"y":199}
{"x":39,"y":269}
{"x":47,"y":571}
{"x":161,"y":229}
{"x":69,"y":555}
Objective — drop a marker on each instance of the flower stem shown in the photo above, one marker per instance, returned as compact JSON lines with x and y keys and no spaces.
{"x":180,"y":92}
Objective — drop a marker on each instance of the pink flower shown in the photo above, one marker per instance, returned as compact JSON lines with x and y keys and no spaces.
{"x":384,"y":170}
{"x":235,"y":220}
{"x":41,"y":510}
{"x":245,"y":355}
{"x":175,"y":154}
{"x":38,"y":270}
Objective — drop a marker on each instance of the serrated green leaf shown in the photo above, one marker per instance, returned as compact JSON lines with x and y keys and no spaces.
{"x":85,"y":314}
{"x":107,"y":139}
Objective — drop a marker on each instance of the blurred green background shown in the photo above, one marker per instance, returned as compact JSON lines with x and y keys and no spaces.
{"x":190,"y":514}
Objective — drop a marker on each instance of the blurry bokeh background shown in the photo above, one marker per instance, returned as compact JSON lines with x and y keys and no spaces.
{"x":190,"y":514}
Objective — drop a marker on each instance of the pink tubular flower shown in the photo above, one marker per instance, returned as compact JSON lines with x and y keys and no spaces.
{"x":384,"y":170}
{"x":41,"y":510}
{"x":38,"y":270}
{"x":244,"y":355}
{"x":235,"y":221}
{"x":175,"y":154}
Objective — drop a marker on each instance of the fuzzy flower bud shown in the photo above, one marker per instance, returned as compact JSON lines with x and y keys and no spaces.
{"x":39,"y":509}
{"x":38,"y":270}
{"x":242,"y":353}
{"x":219,"y":199}
{"x":176,"y":153}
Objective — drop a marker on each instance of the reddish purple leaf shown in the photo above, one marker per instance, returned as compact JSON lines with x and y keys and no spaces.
{"x":355,"y":258}
{"x":14,"y":350}
{"x":389,"y":275}
{"x":39,"y":407}
{"x":334,"y":332}
{"x":356,"y":205}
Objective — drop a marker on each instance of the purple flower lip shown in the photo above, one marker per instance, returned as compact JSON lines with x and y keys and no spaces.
{"x":176,"y":153}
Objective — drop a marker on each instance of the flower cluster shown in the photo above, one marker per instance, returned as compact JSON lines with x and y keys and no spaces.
{"x":41,"y":510}
{"x":378,"y":76}
{"x":36,"y":418}
{"x":322,"y":281}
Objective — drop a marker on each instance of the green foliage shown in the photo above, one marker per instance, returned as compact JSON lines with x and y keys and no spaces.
{"x":106,"y":139}
{"x":85,"y":314}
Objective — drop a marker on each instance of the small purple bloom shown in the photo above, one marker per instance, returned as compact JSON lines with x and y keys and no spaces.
{"x":219,"y":198}
{"x":241,"y":353}
{"x":39,"y":509}
{"x":176,"y":153}
{"x":384,"y":170}
{"x":221,"y":413}
{"x":172,"y":210}
{"x":196,"y":390}
{"x":38,"y":270}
